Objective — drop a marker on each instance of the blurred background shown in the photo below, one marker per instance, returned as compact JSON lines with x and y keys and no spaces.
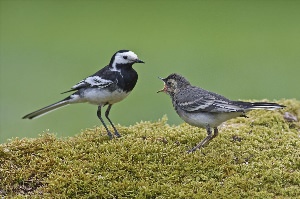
{"x":240,"y":49}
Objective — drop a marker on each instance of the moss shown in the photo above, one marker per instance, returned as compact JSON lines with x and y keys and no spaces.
{"x":255,"y":157}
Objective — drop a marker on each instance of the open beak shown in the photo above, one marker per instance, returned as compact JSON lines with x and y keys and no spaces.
{"x":139,"y":61}
{"x":165,"y":88}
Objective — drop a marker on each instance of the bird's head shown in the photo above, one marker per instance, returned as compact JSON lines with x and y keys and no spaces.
{"x":124,"y":57}
{"x":173,"y":83}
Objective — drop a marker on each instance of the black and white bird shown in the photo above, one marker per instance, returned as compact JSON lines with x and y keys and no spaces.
{"x":205,"y":109}
{"x":108,"y":86}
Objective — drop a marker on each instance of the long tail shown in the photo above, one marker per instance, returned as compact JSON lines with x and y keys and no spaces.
{"x":260,"y":105}
{"x":47,"y":109}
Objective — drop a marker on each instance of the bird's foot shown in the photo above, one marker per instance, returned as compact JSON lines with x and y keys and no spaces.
{"x":117,"y":134}
{"x":191,"y":150}
{"x":109,"y":135}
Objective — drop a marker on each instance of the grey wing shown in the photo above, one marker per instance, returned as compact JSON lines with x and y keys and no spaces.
{"x":92,"y":82}
{"x":199,"y":100}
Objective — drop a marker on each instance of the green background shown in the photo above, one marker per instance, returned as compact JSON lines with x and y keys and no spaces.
{"x":240,"y":49}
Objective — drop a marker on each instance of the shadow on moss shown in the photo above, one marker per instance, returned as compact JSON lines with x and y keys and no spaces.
{"x":252,"y":157}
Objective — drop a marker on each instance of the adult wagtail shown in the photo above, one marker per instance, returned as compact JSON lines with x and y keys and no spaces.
{"x":108,"y":86}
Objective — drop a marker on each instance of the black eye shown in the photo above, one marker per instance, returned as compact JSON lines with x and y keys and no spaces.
{"x":125,"y":57}
{"x":169,"y":83}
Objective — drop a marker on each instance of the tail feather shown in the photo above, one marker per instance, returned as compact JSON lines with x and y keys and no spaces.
{"x":46,"y":109}
{"x":260,"y":105}
{"x":265,"y":105}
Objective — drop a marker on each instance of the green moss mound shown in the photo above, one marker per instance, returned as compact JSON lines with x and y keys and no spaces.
{"x":255,"y":157}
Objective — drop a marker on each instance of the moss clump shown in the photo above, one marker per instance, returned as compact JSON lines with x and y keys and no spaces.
{"x":255,"y":157}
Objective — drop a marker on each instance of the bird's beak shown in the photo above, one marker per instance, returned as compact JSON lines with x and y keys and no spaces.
{"x":139,"y":61}
{"x":165,"y":88}
{"x":163,"y":79}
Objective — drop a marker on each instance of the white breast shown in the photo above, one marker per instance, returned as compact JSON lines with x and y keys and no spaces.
{"x":202,"y":119}
{"x":102,"y":96}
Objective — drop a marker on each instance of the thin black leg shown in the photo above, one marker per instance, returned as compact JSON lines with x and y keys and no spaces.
{"x":209,"y":137}
{"x":99,"y":116}
{"x":216,"y":132}
{"x":106,"y":115}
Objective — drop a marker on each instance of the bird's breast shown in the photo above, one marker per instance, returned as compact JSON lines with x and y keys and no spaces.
{"x":202,"y":119}
{"x":103,"y":96}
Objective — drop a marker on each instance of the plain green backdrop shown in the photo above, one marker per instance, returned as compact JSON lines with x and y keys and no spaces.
{"x":240,"y":49}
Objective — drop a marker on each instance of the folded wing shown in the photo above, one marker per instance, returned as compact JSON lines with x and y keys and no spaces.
{"x":199,"y":100}
{"x":95,"y":81}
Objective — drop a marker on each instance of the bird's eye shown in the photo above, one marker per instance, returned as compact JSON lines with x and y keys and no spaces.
{"x":125,"y":57}
{"x":169,"y":83}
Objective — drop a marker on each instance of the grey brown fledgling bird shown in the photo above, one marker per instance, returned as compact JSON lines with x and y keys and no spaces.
{"x":108,"y":86}
{"x":205,"y":109}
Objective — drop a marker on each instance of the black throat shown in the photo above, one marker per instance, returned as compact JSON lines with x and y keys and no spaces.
{"x":127,"y":77}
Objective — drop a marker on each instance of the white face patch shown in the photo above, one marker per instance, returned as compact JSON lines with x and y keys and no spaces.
{"x":124,"y":58}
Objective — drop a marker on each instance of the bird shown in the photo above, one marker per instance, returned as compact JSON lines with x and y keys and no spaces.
{"x":108,"y":86}
{"x":205,"y":109}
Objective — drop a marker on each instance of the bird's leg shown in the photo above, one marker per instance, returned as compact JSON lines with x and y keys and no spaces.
{"x":216,"y":132}
{"x":106,"y":115}
{"x":99,"y":116}
{"x":209,"y":137}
